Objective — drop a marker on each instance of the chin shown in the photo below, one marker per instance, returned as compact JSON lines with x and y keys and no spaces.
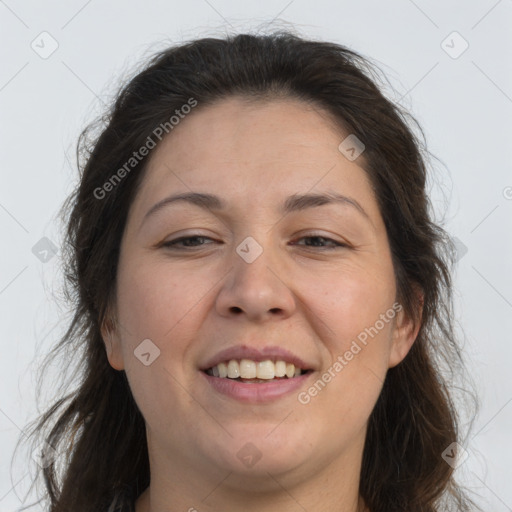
{"x":256,"y":451}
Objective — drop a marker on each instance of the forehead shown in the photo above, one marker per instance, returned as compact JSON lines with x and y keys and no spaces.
{"x":254,"y":152}
{"x":260,"y":130}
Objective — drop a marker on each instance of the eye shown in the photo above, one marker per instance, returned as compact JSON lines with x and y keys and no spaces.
{"x":322,"y":239}
{"x":178,"y":241}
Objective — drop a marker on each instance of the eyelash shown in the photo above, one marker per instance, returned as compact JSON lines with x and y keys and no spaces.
{"x":172,"y":244}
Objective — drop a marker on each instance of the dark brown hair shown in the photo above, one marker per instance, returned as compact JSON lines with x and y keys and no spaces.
{"x":97,"y":429}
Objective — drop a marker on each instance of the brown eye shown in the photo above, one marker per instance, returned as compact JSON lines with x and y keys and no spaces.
{"x":322,"y":240}
{"x":184,"y":242}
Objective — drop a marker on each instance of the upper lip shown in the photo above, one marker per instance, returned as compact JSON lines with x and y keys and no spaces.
{"x":239,"y":352}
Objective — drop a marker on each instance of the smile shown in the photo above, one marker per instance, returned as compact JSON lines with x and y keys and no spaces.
{"x":256,"y":382}
{"x":247,"y":370}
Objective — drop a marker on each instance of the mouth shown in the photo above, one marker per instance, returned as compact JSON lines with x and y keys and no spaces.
{"x":256,"y":375}
{"x":249,"y":371}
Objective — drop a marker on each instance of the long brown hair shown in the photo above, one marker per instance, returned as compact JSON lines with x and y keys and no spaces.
{"x":97,"y":430}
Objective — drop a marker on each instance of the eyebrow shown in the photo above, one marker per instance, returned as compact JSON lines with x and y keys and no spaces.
{"x":293,"y":203}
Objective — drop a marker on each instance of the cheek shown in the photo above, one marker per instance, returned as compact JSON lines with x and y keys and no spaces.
{"x":153,"y":299}
{"x":163,"y":307}
{"x":351,"y":300}
{"x":357,"y":309}
{"x":158,"y":305}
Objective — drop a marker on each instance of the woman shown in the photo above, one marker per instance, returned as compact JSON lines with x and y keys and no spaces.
{"x":262,"y":297}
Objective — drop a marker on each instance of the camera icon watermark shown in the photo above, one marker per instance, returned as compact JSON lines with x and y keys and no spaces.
{"x":44,"y":455}
{"x":461,"y":249}
{"x":454,"y":45}
{"x":455,"y":455}
{"x":351,"y":147}
{"x":45,"y":45}
{"x":249,"y":250}
{"x":44,"y":250}
{"x":147,"y":352}
{"x":249,"y":455}
{"x":507,"y":193}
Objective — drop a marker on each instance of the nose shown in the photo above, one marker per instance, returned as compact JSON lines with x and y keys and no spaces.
{"x":258,"y":290}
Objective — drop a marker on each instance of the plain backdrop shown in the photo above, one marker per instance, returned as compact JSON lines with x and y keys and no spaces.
{"x":449,"y":63}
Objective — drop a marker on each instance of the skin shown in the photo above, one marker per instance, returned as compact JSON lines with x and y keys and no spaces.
{"x":298,"y":294}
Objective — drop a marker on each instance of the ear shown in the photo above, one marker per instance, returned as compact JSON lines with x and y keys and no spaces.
{"x":405,"y":332}
{"x":111,"y":339}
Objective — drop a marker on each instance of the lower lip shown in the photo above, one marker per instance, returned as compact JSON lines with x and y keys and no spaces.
{"x":256,"y":392}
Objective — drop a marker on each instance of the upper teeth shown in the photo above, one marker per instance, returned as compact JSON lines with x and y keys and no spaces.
{"x":248,"y":369}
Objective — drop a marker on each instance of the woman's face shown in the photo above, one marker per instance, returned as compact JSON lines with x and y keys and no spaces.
{"x":267,"y":274}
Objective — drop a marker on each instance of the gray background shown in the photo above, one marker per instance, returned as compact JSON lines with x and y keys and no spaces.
{"x":462,"y":100}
